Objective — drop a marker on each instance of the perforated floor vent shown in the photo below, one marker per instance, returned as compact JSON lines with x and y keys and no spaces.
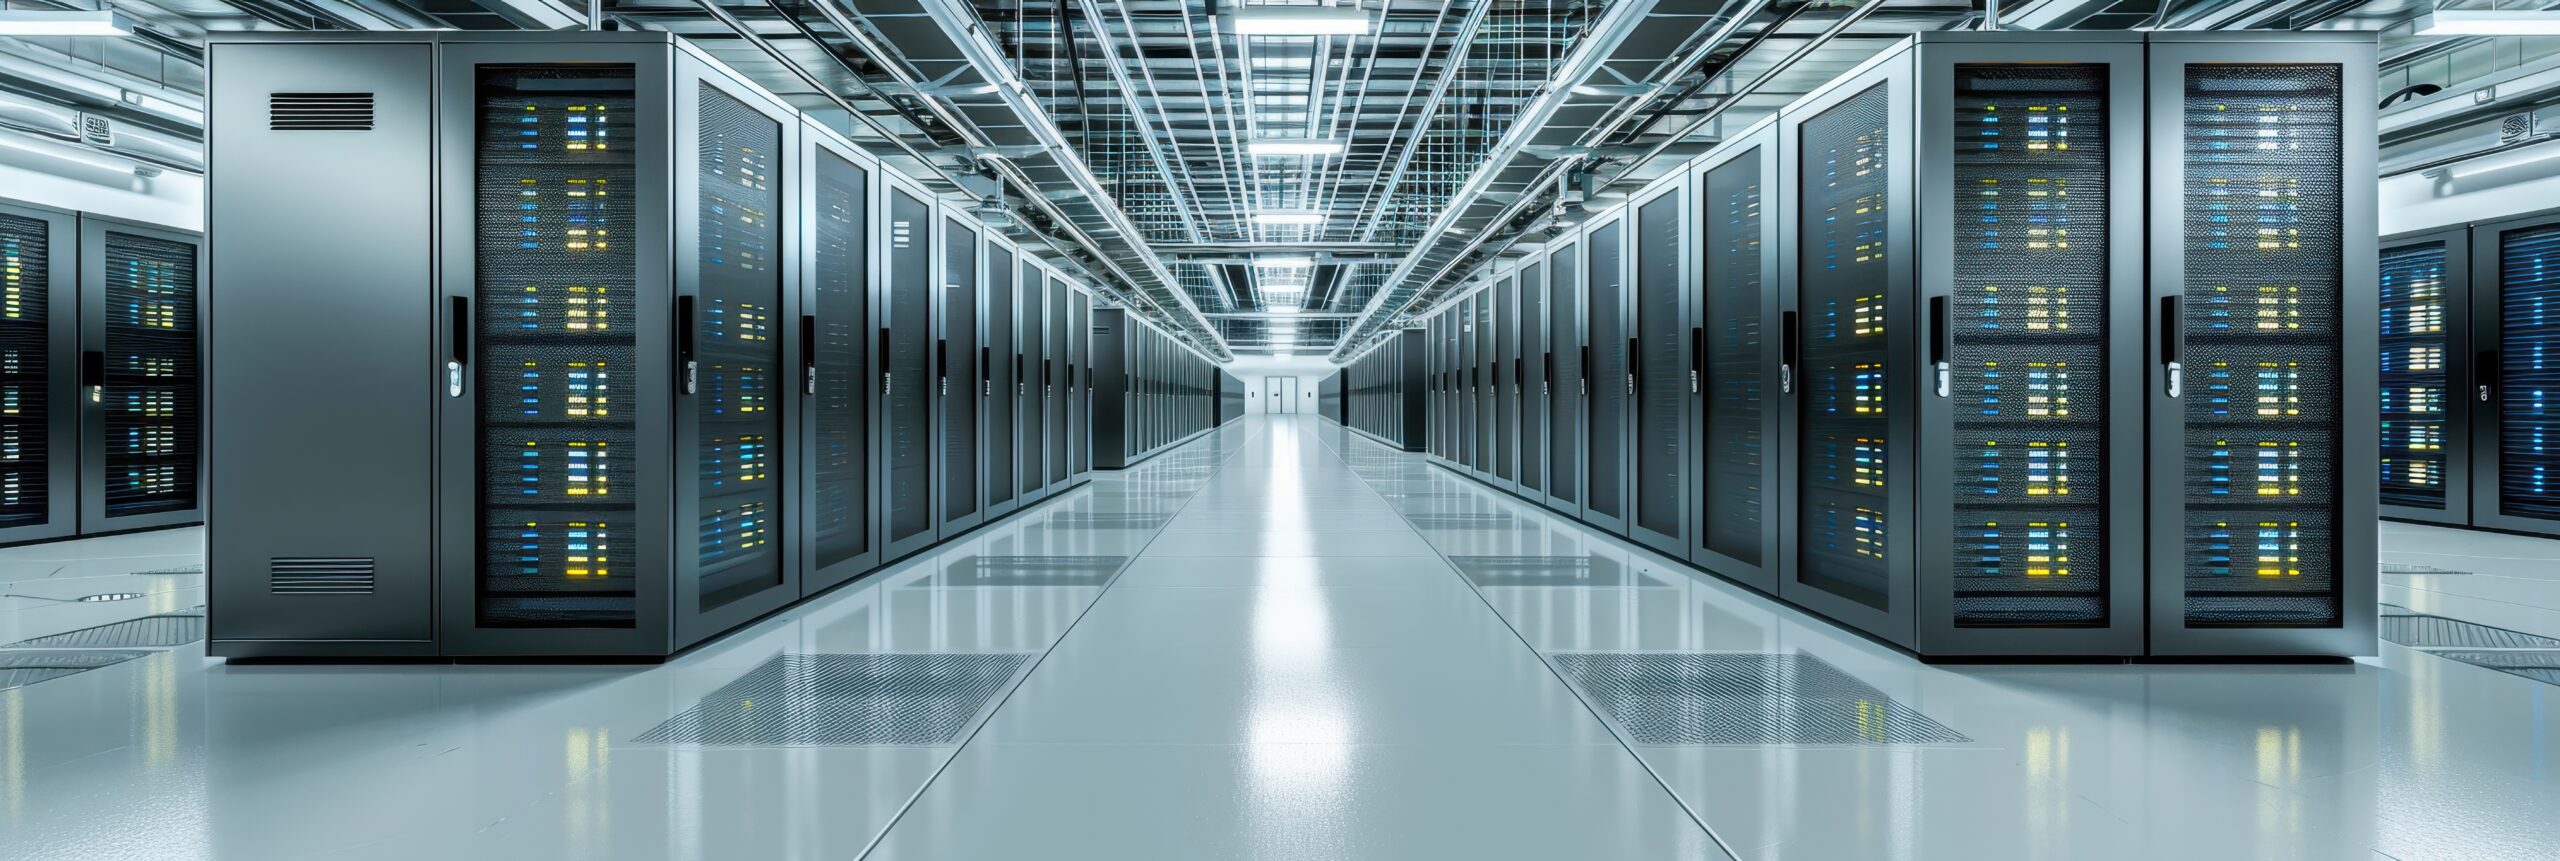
{"x":990,"y":571}
{"x":1744,"y":698}
{"x":1584,"y":571}
{"x":2538,"y":665}
{"x":826,"y":700}
{"x":1463,"y":521}
{"x":148,"y":632}
{"x":2426,"y":631}
{"x":20,"y":669}
{"x":1108,"y":520}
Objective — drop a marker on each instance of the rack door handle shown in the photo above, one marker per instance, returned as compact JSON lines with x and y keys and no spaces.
{"x":1790,"y":351}
{"x":688,"y":369}
{"x":942,"y":363}
{"x":1635,"y":363}
{"x":2172,"y":336}
{"x":986,"y":372}
{"x":809,"y":354}
{"x":1697,"y":358}
{"x":1585,"y":371}
{"x":884,"y":360}
{"x":2485,"y":369}
{"x":457,"y":344}
{"x":93,"y":375}
{"x":1939,"y":341}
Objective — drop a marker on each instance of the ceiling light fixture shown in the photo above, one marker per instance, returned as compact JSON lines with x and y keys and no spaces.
{"x":1293,"y":147}
{"x":1301,"y":21}
{"x":1285,"y":262}
{"x":1293,"y":218}
{"x":101,"y":23}
{"x":2487,"y":22}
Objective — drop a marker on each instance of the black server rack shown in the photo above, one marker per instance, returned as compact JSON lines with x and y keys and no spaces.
{"x":1569,"y":398}
{"x":1062,"y":387}
{"x":1329,"y":396}
{"x":1734,"y":525}
{"x":1231,"y":403}
{"x":909,"y":497}
{"x":957,"y":321}
{"x":2515,"y":477}
{"x":1037,"y":383}
{"x":837,"y":183}
{"x":1488,"y":358}
{"x":39,"y":374}
{"x":141,"y":456}
{"x":1536,"y":367}
{"x":1506,"y":380}
{"x":2427,"y":393}
{"x":2262,"y":524}
{"x":1470,"y":381}
{"x":1606,"y":364}
{"x":995,"y":378}
{"x":1080,"y":387}
{"x":1661,"y":352}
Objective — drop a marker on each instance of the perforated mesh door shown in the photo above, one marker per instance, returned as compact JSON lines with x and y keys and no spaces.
{"x":1533,"y":383}
{"x":1059,"y":357}
{"x":1662,"y":368}
{"x":153,"y":424}
{"x":841,"y":276}
{"x":1564,"y":406}
{"x":908,"y":351}
{"x":2528,"y":375}
{"x":956,"y":361}
{"x":1729,"y":505}
{"x":1036,"y":369}
{"x":1608,"y":328}
{"x":1488,"y":408}
{"x":555,"y":273}
{"x":2415,"y":388}
{"x":1843,"y":296}
{"x":997,"y":375}
{"x":2263,"y":245}
{"x":1470,"y":380}
{"x":1506,"y":384}
{"x":737,"y":409}
{"x":2028,"y":331}
{"x":26,"y":392}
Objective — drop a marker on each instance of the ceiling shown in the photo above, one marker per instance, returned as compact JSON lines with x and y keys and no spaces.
{"x":1121,"y":133}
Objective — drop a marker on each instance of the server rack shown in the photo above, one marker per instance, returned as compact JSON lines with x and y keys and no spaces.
{"x":40,"y":474}
{"x":141,"y":361}
{"x":1661,"y":352}
{"x":1535,"y":365}
{"x":2428,"y":363}
{"x":840,"y":186}
{"x":1470,"y":381}
{"x":1038,"y":381}
{"x":912,"y":420}
{"x":2512,"y":464}
{"x":1734,"y":525}
{"x":956,"y":321}
{"x":1568,"y":401}
{"x":1506,"y":380}
{"x":2290,"y":568}
{"x":1062,"y":384}
{"x":1489,"y":450}
{"x":1329,"y":397}
{"x":995,"y":376}
{"x":1080,"y":387}
{"x":1146,"y":392}
{"x":1605,"y":363}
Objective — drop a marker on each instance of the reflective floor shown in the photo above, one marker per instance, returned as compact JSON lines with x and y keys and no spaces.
{"x":1281,"y":641}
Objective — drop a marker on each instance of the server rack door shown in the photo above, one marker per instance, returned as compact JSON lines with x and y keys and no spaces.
{"x":956,"y":372}
{"x":142,"y":433}
{"x":558,"y":458}
{"x":1058,"y":352}
{"x":1604,"y":501}
{"x":1665,"y":382}
{"x":2427,"y":387}
{"x":1037,"y":371}
{"x":736,"y":281}
{"x":1735,"y":524}
{"x":1534,"y":372}
{"x":907,"y":379}
{"x":306,"y":561}
{"x":1080,"y":370}
{"x":1471,"y":377}
{"x":2263,"y":531}
{"x":2514,"y":483}
{"x":995,"y":379}
{"x":1506,"y":384}
{"x":1851,"y":170}
{"x":39,"y":373}
{"x":837,"y":335}
{"x":2030,"y":525}
{"x":1488,"y":404}
{"x":1568,"y":414}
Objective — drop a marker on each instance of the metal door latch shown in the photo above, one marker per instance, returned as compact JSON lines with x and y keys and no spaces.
{"x":2177,"y":379}
{"x":453,"y":379}
{"x":1942,"y":379}
{"x":692,"y":375}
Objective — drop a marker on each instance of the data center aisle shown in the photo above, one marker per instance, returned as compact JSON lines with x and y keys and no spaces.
{"x":1290,"y":671}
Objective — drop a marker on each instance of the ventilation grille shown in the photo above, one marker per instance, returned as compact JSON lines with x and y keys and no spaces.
{"x":320,"y":112}
{"x":320,"y":575}
{"x":818,"y":700}
{"x":2518,"y":128}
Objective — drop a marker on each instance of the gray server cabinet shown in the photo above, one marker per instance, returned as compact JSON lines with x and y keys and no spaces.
{"x":1061,"y":388}
{"x":1112,"y":337}
{"x":1470,"y":381}
{"x":1032,"y":392}
{"x":1488,"y":356}
{"x":1535,"y":370}
{"x":141,"y":365}
{"x":911,"y":419}
{"x":1506,"y":380}
{"x":1734,"y":523}
{"x":1607,"y":364}
{"x":1407,"y":404}
{"x":2511,"y":479}
{"x":40,"y":361}
{"x":1662,"y":439}
{"x":1569,"y":395}
{"x":2430,"y":366}
{"x":2288,"y":568}
{"x":1080,"y":394}
{"x":839,"y":341}
{"x":995,"y":379}
{"x":957,"y":321}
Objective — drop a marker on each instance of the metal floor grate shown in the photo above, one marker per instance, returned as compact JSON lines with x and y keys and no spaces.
{"x":991,"y":571}
{"x":818,"y":700}
{"x":2538,"y":665}
{"x":1744,"y":698}
{"x":1586,"y":571}
{"x":148,"y":632}
{"x":1108,"y":520}
{"x":2426,"y":631}
{"x":20,"y":669}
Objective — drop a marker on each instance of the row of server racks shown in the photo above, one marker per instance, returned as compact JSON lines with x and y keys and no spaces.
{"x":590,"y":348}
{"x":1155,"y":391}
{"x":1231,"y":397}
{"x":100,"y":393}
{"x":1329,"y":402}
{"x":2470,"y":318}
{"x":1997,"y":345}
{"x":1382,"y":390}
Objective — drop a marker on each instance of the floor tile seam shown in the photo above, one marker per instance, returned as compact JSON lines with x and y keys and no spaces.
{"x":2473,"y":598}
{"x":988,"y":716}
{"x":1624,"y":744}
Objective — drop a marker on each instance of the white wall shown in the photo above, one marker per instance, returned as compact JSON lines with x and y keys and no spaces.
{"x":1257,"y":370}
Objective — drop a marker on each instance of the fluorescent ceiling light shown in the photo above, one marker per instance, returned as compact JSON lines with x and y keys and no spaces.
{"x":1293,"y":147}
{"x":1285,"y":262}
{"x":1284,"y":330}
{"x":107,"y":23}
{"x":1301,"y":21}
{"x":2488,"y":22}
{"x":1284,"y":309}
{"x":1289,"y":218}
